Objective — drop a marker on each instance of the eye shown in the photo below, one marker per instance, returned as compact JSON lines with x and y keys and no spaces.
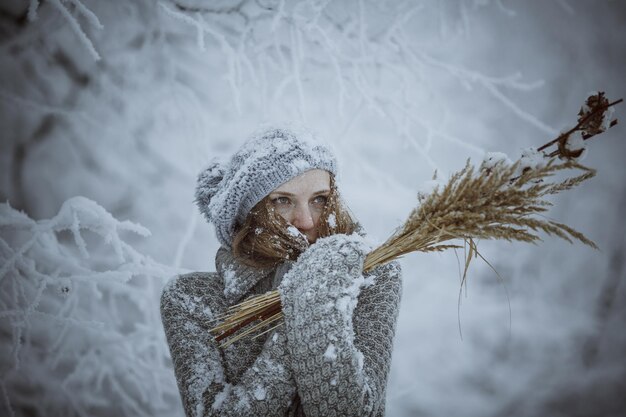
{"x":281,"y":201}
{"x":320,"y":200}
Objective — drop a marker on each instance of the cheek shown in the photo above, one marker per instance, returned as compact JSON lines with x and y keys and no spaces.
{"x":285,"y":213}
{"x":316,"y":215}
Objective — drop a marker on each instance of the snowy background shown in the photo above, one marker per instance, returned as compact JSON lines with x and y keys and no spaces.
{"x":109,"y":109}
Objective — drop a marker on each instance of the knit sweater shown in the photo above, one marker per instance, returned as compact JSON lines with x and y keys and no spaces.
{"x":330,"y":358}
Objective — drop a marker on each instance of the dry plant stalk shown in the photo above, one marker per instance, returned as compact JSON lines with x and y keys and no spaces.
{"x":493,"y":202}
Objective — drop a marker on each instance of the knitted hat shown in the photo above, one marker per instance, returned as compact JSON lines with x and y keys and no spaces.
{"x":226,"y":193}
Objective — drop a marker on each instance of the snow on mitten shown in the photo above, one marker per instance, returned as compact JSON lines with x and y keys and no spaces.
{"x":319,"y":295}
{"x":329,"y":264}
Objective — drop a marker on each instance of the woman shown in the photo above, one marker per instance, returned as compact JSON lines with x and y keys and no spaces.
{"x":278,"y":217}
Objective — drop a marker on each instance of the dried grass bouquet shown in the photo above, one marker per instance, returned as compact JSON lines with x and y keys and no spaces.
{"x":497,"y":200}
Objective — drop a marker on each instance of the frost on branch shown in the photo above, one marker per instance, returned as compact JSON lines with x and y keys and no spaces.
{"x":592,"y":121}
{"x":365,"y":51}
{"x":69,"y":17}
{"x":79,"y":317}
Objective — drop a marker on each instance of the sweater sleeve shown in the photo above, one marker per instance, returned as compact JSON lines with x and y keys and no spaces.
{"x":266,"y":388}
{"x":340,"y":327}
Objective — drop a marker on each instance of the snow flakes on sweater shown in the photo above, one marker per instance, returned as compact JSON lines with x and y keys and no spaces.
{"x":219,"y":399}
{"x":336,"y":359}
{"x":223,"y":382}
{"x":230,"y":280}
{"x":331,"y":353}
{"x":259,"y":393}
{"x":237,"y":278}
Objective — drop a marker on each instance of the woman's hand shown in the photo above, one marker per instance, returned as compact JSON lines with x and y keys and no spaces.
{"x":329,"y":264}
{"x":339,"y":326}
{"x":319,"y":296}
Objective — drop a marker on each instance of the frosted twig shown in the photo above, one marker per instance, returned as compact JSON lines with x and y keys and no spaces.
{"x":490,"y":85}
{"x":517,"y":110}
{"x":82,"y":36}
{"x":343,"y":132}
{"x":129,"y":401}
{"x":400,"y":20}
{"x":510,"y":81}
{"x":199,"y":32}
{"x":33,"y":5}
{"x":73,"y":400}
{"x":278,"y":50}
{"x":376,"y":174}
{"x":186,"y":238}
{"x":36,"y":299}
{"x":566,"y":6}
{"x":245,"y":60}
{"x":9,"y":263}
{"x":200,"y":23}
{"x":362,"y":29}
{"x":296,"y":51}
{"x":329,"y":47}
{"x":464,"y":16}
{"x":89,"y":15}
{"x":38,"y":106}
{"x":435,"y":132}
{"x":84,"y":325}
{"x":420,"y":149}
{"x":57,"y":353}
{"x":280,"y":13}
{"x":40,"y":264}
{"x":362,"y":87}
{"x":80,"y":242}
{"x":5,"y":397}
{"x":505,"y":9}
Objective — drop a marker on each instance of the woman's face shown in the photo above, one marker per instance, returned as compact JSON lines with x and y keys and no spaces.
{"x":301,"y":200}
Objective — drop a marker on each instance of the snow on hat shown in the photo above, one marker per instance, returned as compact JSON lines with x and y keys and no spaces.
{"x":226,"y":193}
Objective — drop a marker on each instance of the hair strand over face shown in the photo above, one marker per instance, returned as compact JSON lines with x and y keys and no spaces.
{"x":263,"y":240}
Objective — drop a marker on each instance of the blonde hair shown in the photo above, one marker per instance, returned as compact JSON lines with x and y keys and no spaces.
{"x":263,"y":240}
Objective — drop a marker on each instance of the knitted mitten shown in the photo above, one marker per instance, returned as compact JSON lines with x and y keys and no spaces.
{"x":340,"y":354}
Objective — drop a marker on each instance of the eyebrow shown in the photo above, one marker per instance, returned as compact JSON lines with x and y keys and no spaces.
{"x":293,"y":195}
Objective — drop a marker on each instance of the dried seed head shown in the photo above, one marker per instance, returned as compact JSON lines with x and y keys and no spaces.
{"x":592,"y":114}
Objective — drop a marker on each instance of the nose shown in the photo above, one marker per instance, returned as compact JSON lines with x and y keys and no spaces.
{"x":302,"y":218}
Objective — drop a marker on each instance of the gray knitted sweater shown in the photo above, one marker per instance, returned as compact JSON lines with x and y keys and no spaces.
{"x":330,"y":358}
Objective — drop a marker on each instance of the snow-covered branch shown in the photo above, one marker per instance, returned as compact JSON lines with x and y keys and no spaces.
{"x":80,"y":307}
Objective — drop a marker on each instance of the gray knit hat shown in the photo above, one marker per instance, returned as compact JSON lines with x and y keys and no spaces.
{"x":226,"y":193}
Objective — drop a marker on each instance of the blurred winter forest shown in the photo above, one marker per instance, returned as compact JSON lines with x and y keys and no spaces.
{"x":111,"y":108}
